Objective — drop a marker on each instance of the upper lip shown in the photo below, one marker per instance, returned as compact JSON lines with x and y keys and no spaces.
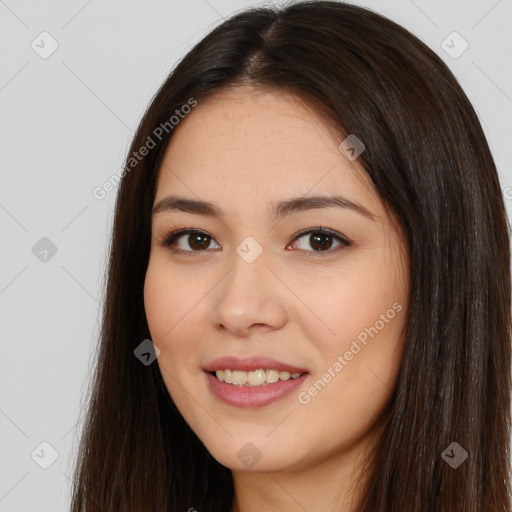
{"x":251,"y":363}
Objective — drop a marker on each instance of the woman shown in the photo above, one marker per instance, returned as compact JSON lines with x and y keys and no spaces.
{"x":308,"y":300}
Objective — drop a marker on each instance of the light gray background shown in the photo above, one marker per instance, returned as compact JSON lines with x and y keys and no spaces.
{"x":65,"y":125}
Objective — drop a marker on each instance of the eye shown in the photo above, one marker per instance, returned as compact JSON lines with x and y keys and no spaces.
{"x":194,"y":239}
{"x":321,"y":240}
{"x":190,"y":241}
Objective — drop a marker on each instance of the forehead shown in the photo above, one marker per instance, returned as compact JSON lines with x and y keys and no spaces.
{"x":251,"y":145}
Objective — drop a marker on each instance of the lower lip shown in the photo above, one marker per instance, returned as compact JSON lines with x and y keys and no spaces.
{"x":253,"y":396}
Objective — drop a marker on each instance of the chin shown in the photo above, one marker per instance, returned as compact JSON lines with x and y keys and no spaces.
{"x":254,"y":456}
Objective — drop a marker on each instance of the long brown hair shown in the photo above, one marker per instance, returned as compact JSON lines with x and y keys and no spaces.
{"x":428,"y":158}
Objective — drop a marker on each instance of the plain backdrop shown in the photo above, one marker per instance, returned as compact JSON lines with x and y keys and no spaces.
{"x":75,"y":78}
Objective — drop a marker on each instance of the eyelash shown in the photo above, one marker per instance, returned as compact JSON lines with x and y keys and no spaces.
{"x":168,"y":240}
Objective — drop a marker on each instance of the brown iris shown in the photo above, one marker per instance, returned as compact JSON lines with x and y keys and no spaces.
{"x":199,"y":241}
{"x":321,"y":241}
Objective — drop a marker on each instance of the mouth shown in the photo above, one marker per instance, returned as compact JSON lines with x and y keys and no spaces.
{"x":253,"y":382}
{"x":252,"y":371}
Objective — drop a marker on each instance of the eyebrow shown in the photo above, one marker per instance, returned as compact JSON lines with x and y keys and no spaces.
{"x":277,"y":210}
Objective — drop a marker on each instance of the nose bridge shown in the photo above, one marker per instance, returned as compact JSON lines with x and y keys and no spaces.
{"x":250,"y":293}
{"x":248,"y":271}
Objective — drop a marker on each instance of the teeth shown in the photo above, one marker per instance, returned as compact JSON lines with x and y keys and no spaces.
{"x":254,"y":378}
{"x":272,"y":376}
{"x":239,"y":377}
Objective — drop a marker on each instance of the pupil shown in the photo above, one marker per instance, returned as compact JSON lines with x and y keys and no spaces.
{"x":319,"y":239}
{"x":196,"y":238}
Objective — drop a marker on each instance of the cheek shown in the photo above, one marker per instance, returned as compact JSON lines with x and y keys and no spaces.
{"x":365,"y":311}
{"x":170,"y":305}
{"x":351,"y":302}
{"x":171,"y":311}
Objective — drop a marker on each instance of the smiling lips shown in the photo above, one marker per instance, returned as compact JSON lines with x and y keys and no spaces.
{"x":254,"y":381}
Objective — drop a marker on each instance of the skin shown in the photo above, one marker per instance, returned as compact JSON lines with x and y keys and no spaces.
{"x":244,"y":149}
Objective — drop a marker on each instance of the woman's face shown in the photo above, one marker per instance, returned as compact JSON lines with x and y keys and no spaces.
{"x":251,"y":285}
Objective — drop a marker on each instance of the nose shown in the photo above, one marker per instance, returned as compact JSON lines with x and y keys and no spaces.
{"x":250,"y":297}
